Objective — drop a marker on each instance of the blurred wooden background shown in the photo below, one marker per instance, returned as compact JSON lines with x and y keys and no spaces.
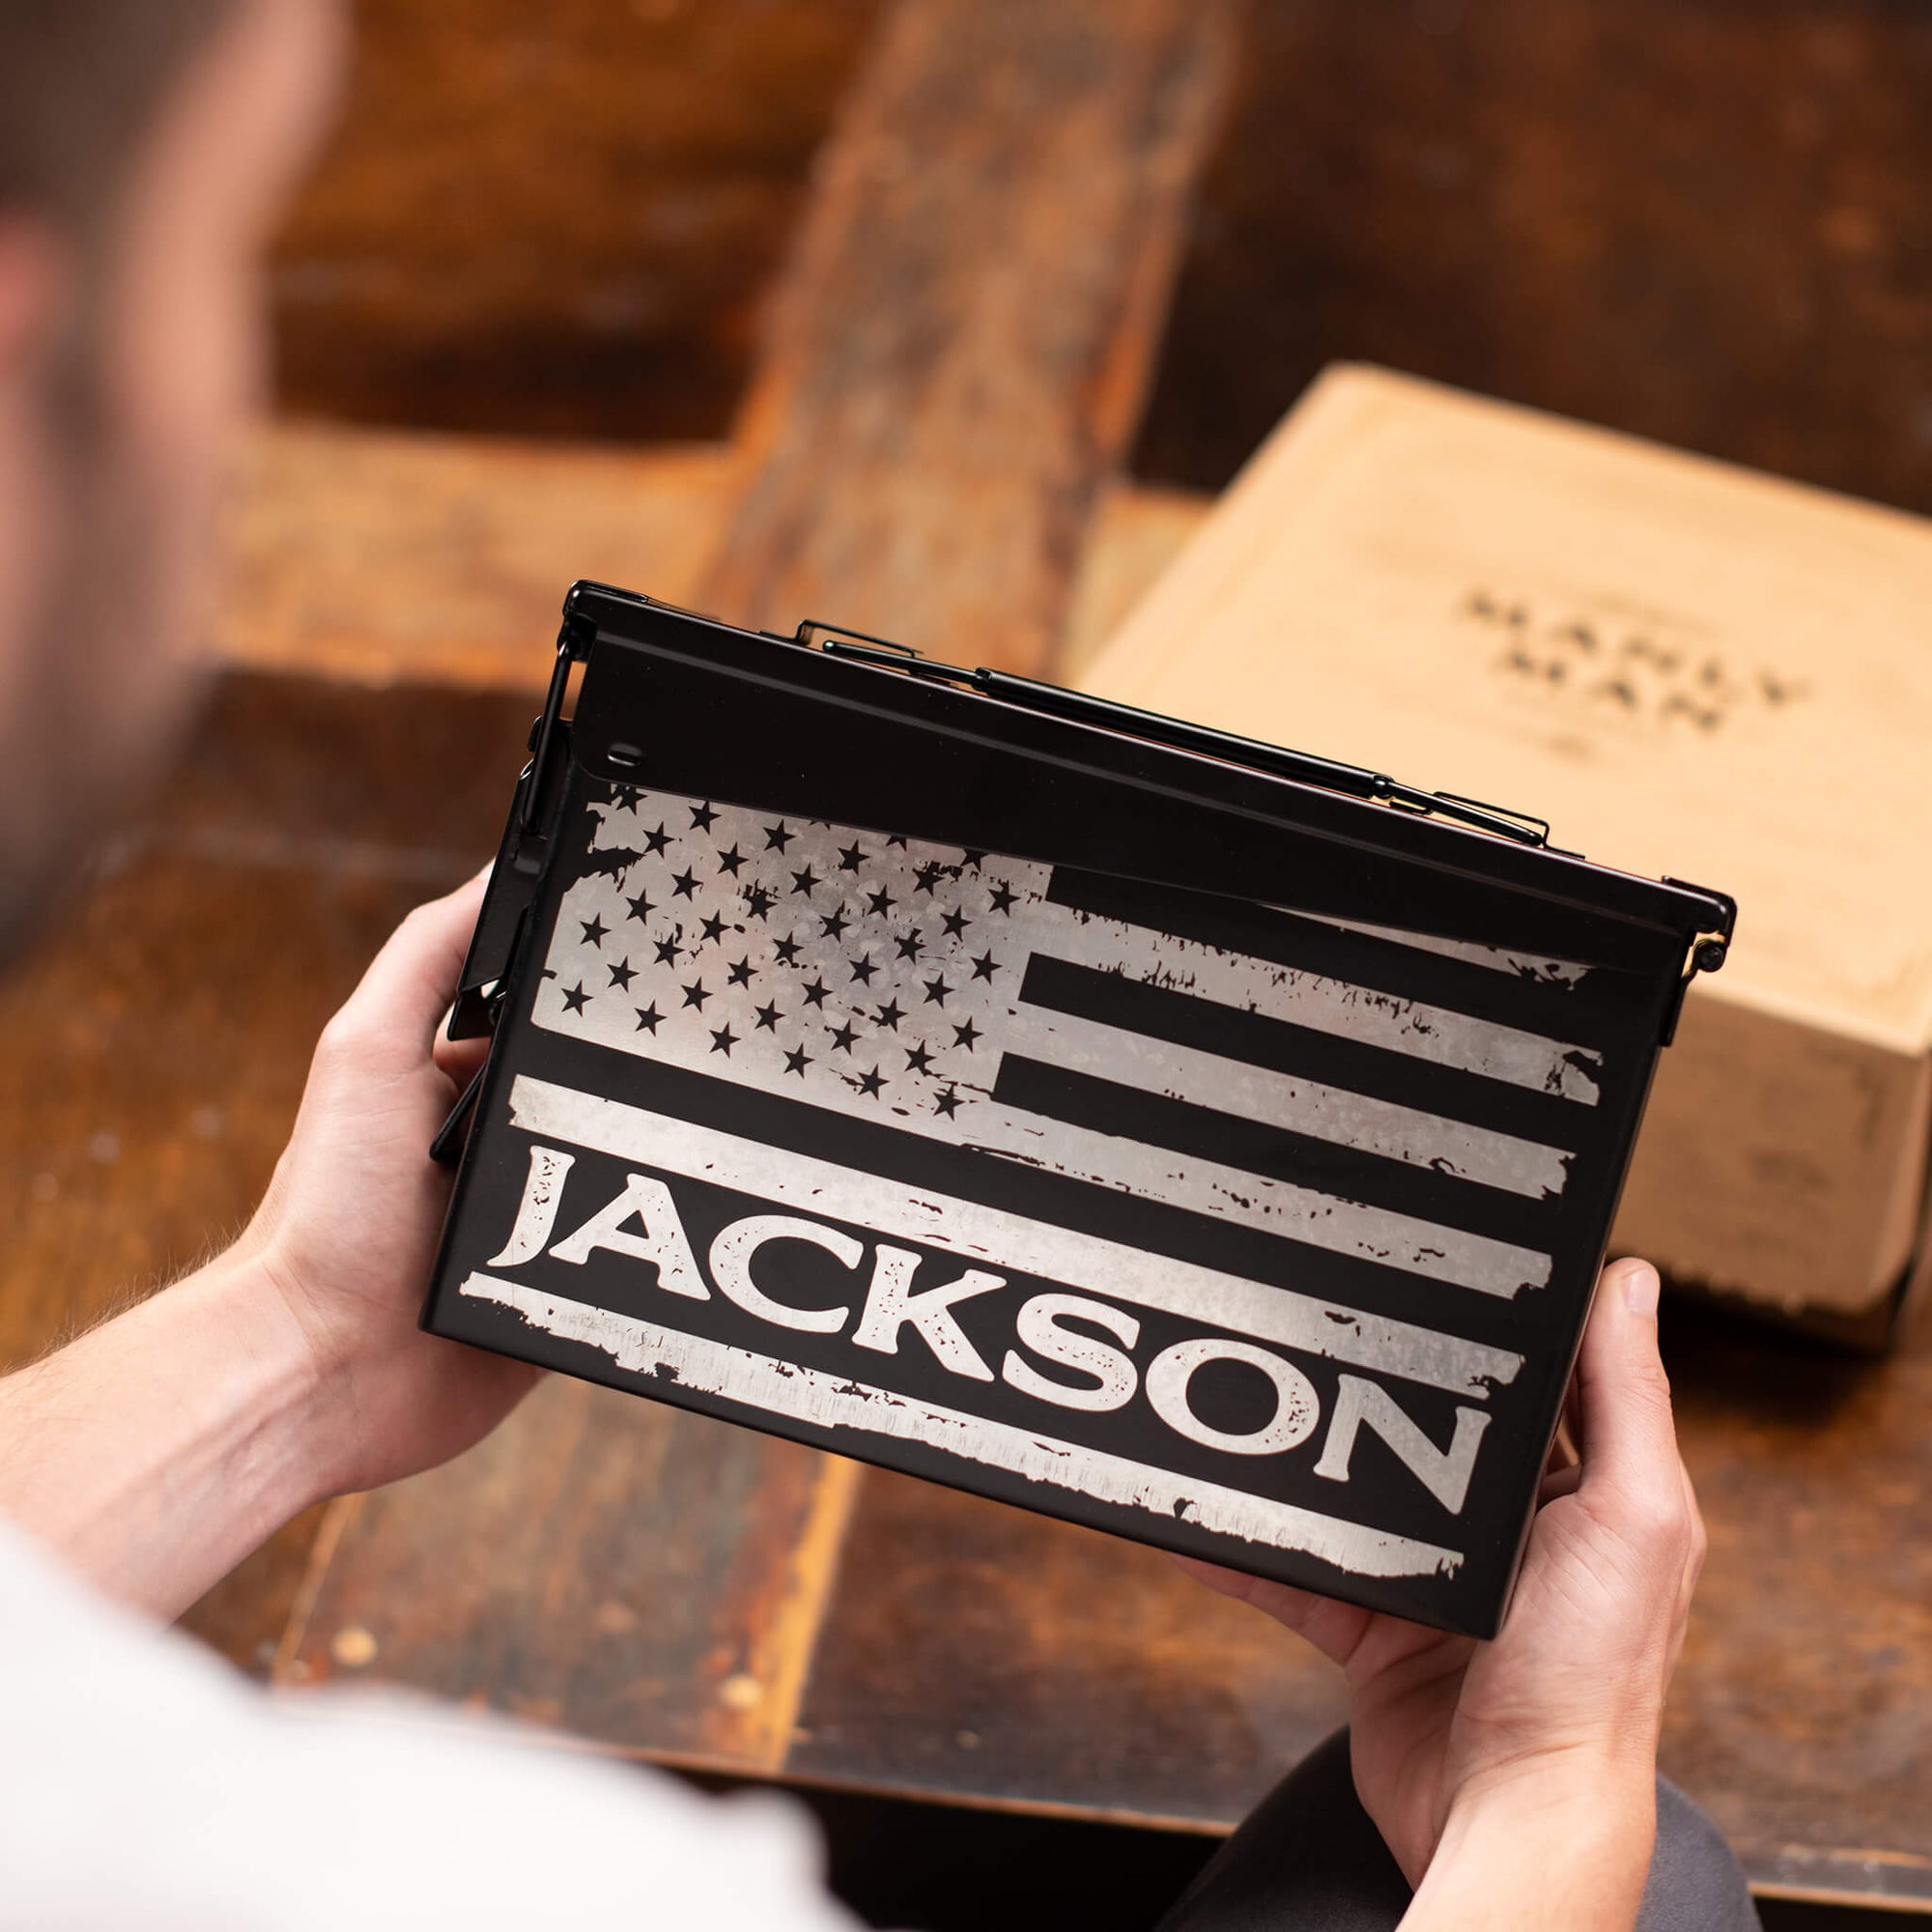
{"x":1701,"y":221}
{"x":558,"y":220}
{"x":614,"y":288}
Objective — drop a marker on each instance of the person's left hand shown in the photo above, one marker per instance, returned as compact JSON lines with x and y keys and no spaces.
{"x":348,"y":1230}
{"x":1558,"y":1718}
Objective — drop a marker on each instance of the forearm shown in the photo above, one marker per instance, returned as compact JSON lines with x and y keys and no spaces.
{"x":1541,"y":1854}
{"x":157,"y":1451}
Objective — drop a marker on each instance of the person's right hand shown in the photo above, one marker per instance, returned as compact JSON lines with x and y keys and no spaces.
{"x":346,"y":1236}
{"x":1567,"y":1702}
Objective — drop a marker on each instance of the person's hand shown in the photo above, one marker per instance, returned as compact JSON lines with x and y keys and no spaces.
{"x":348,"y":1230}
{"x":1567,"y":1701}
{"x":158,"y":1449}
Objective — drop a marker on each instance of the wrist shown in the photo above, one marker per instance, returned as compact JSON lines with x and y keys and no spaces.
{"x":1564,"y":1839}
{"x":274,"y":1383}
{"x":1613,"y":1774}
{"x":162,"y":1447}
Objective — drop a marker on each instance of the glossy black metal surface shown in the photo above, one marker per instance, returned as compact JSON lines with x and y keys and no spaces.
{"x":1425,"y":925}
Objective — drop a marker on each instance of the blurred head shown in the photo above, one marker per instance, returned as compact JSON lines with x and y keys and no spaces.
{"x":146,"y":147}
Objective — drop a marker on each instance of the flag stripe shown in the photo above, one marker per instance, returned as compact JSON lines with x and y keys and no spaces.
{"x":1305,"y":1053}
{"x":1386,"y":1234}
{"x":1497,"y":958}
{"x":1411,"y":1027}
{"x":1404,"y":974}
{"x":1412,"y":1205}
{"x":1201,"y":1184}
{"x":1227,"y":1086}
{"x":839,"y":1403}
{"x":1013,"y":1241}
{"x":1354,"y":1278}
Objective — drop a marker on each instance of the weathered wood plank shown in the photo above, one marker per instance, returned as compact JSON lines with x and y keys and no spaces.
{"x":985,"y":1655}
{"x":958,"y":353}
{"x":557,"y":220}
{"x":156,"y":1042}
{"x":1686,"y":218}
{"x":966,"y":1650}
{"x":1802,"y":1714}
{"x":377,"y":556}
{"x":634,"y":1575}
{"x":920,"y":319}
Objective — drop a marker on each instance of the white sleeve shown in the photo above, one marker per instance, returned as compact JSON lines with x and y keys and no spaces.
{"x":144,"y":1784}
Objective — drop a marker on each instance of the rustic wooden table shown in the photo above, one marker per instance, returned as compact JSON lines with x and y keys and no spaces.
{"x":677,"y":1589}
{"x":932,"y":445}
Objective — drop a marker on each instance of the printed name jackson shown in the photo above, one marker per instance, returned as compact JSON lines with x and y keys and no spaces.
{"x":1071,"y":1351}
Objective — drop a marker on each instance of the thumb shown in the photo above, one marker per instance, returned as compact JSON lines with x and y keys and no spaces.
{"x":408,"y":986}
{"x":1628,"y":1442}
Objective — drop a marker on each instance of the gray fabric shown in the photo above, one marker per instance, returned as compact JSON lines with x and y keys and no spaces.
{"x":1308,"y":1859}
{"x":1695,"y":1881}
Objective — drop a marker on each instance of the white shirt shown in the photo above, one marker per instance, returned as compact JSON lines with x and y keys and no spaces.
{"x":144,"y":1783}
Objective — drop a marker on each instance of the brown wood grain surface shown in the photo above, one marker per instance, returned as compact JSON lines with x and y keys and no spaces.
{"x":637,"y":1576}
{"x":999,"y":1658}
{"x":1495,"y":191}
{"x":1698,"y":220}
{"x":1802,"y":1715}
{"x":373,"y":556}
{"x":679,"y":1590}
{"x":378,"y":556}
{"x":978,"y":1655}
{"x":958,"y":351}
{"x":157,"y":1039}
{"x":674,"y":1588}
{"x":960,"y":421}
{"x":557,"y":220}
{"x":1136,"y":531}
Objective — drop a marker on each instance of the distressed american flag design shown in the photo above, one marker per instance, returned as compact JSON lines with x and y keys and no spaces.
{"x":979,"y":1001}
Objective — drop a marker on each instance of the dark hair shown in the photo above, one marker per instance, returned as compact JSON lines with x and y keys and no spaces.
{"x":81,"y":82}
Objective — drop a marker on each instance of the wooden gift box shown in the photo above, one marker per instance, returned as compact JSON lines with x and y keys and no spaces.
{"x":1691,"y":669}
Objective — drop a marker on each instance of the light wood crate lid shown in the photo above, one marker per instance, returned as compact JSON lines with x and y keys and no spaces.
{"x":1689,"y":668}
